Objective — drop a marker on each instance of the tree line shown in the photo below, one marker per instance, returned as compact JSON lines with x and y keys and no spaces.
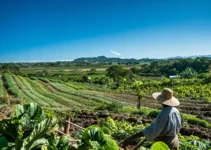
{"x":175,"y":67}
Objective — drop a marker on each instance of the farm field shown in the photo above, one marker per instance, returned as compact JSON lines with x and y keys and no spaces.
{"x":89,"y":107}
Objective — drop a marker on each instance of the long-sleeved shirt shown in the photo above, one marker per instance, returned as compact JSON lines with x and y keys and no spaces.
{"x":167,"y":123}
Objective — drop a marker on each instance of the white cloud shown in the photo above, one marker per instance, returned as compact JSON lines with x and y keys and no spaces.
{"x":116,"y":53}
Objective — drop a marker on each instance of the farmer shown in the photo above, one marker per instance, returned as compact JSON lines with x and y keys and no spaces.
{"x":167,"y":123}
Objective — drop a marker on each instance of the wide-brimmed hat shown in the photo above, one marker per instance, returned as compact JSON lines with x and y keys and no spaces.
{"x":166,"y":97}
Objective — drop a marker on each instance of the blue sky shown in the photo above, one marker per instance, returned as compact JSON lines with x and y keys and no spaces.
{"x":51,"y":30}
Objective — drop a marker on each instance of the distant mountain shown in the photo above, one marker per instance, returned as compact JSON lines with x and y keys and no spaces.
{"x":194,"y":56}
{"x":104,"y":59}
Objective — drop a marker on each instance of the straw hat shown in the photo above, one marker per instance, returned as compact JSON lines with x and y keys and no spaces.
{"x":166,"y":97}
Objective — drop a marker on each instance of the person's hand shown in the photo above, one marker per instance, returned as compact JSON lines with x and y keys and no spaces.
{"x":124,"y":143}
{"x":130,"y":139}
{"x":127,"y":141}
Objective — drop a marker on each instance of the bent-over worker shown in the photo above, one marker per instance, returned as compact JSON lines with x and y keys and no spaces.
{"x":166,"y":125}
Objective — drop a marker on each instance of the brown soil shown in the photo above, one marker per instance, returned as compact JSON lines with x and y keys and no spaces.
{"x":85,"y":119}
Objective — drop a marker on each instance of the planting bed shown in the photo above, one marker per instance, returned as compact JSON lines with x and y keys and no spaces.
{"x":86,"y":118}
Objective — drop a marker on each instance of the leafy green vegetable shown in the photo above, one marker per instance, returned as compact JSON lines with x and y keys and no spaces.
{"x":93,"y":138}
{"x":159,"y":146}
{"x":38,"y":132}
{"x":3,"y":142}
{"x":28,"y":129}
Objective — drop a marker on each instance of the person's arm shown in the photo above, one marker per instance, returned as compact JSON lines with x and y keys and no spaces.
{"x":131,"y":138}
{"x":148,"y":131}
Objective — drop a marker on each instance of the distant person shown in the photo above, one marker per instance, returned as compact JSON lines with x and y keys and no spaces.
{"x":166,"y":125}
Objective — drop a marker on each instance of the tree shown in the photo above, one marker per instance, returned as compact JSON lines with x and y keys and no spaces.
{"x":10,"y":67}
{"x":188,"y":73}
{"x":135,"y":70}
{"x":117,"y":72}
{"x":140,"y":93}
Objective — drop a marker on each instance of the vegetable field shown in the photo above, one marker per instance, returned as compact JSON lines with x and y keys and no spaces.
{"x":49,"y":94}
{"x":115,"y":113}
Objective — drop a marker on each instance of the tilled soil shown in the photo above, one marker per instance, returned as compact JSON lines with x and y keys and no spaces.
{"x":195,"y":107}
{"x":85,"y":119}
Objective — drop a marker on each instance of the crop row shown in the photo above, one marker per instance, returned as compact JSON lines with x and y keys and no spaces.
{"x":194,"y":91}
{"x":200,"y":92}
{"x":2,"y":93}
{"x":37,"y":92}
{"x":29,"y":91}
{"x":73,"y":96}
{"x":13,"y":89}
{"x":66,"y":89}
{"x":57,"y":97}
{"x":69,"y":91}
{"x":101,"y":96}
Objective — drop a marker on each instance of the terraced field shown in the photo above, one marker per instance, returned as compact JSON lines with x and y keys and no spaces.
{"x":50,"y":94}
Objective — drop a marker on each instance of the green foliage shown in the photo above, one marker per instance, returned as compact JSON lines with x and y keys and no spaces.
{"x":193,"y":91}
{"x":136,"y":84}
{"x":13,"y":89}
{"x":44,"y":80}
{"x":159,"y":146}
{"x":193,"y":142}
{"x":2,"y":93}
{"x":28,"y":129}
{"x":135,"y":70}
{"x":114,"y":106}
{"x":55,"y":143}
{"x":121,"y":129}
{"x":195,"y":121}
{"x":10,"y":67}
{"x":183,"y":88}
{"x":118,"y":73}
{"x":106,"y":130}
{"x":86,"y":78}
{"x":92,"y":71}
{"x":76,"y":87}
{"x":94,"y":138}
{"x":3,"y":142}
{"x":188,"y":73}
{"x":207,"y":79}
{"x":110,"y":124}
{"x":176,"y":66}
{"x":103,"y":80}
